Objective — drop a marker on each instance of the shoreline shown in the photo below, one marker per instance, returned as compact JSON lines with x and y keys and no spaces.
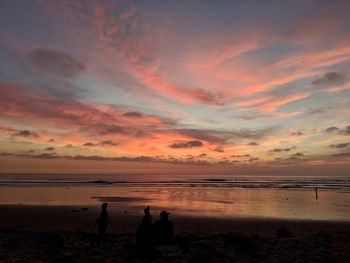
{"x":81,"y":218}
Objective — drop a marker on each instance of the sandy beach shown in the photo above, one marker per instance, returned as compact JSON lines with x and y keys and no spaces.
{"x":63,"y":234}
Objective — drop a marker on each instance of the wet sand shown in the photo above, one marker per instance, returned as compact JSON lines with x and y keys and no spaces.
{"x":201,"y":239}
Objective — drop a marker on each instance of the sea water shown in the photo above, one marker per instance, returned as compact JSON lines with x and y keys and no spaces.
{"x":227,"y":196}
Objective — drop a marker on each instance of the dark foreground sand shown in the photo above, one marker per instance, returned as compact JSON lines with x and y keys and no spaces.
{"x":63,"y":234}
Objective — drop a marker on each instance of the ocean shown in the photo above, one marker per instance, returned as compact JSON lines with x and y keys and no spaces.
{"x":227,"y":196}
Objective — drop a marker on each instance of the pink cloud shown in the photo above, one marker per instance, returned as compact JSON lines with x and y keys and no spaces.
{"x":21,"y":103}
{"x":271,"y":103}
{"x":127,"y":45}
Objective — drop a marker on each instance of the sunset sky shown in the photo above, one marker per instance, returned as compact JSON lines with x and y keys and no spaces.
{"x":241,"y":87}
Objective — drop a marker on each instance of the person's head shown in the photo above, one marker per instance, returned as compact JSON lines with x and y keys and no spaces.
{"x":147,"y":210}
{"x":104,"y":206}
{"x":164,"y":215}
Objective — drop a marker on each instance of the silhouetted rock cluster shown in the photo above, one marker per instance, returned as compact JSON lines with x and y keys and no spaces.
{"x":192,"y":248}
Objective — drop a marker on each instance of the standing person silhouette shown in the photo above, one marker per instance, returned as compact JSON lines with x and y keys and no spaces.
{"x":145,"y":231}
{"x":164,"y":229}
{"x":102,"y":222}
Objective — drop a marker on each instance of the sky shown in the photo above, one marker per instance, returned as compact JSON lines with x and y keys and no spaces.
{"x":221,"y":87}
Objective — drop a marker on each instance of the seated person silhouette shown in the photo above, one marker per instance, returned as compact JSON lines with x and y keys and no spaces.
{"x":145,"y":231}
{"x":102,"y":222}
{"x":164,"y":229}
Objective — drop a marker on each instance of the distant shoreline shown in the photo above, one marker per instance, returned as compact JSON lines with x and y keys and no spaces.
{"x":268,"y":182}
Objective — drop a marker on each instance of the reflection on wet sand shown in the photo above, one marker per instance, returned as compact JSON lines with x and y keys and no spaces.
{"x":238,"y":202}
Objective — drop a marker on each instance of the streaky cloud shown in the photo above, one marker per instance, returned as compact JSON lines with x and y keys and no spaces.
{"x":339,"y":145}
{"x":188,"y":144}
{"x":56,"y":62}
